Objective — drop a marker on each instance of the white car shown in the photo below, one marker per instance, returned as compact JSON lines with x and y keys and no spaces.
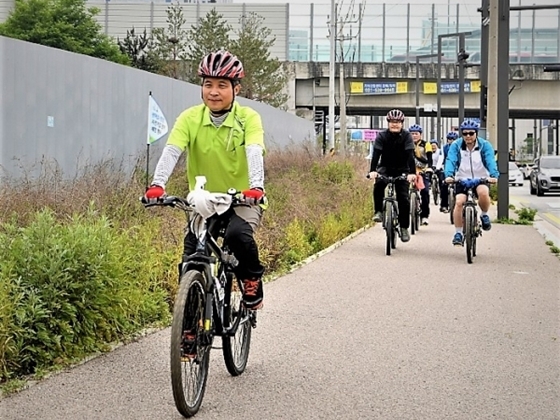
{"x":515,"y":175}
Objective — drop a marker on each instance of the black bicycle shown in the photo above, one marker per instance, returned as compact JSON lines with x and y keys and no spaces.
{"x":208,"y":304}
{"x":451,"y":201}
{"x":390,"y":211}
{"x":435,"y":188}
{"x":415,"y":208}
{"x":472,"y":227}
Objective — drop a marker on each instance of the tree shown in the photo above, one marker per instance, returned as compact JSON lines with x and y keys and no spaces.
{"x":211,"y":33}
{"x":138,"y":49}
{"x":265,"y":78}
{"x":64,"y":24}
{"x":170,"y":45}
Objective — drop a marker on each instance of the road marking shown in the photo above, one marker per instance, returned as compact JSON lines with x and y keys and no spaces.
{"x":552,"y":218}
{"x":554,"y":204}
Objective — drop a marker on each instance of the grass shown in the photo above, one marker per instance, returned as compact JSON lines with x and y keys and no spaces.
{"x":85,"y":266}
{"x":525,"y":216}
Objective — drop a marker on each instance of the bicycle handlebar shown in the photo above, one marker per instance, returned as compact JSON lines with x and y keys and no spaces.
{"x":478,"y":181}
{"x":402,"y":177}
{"x":182,"y":203}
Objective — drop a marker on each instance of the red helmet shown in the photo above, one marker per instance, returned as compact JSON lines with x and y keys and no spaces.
{"x":221,"y":64}
{"x":395,"y":114}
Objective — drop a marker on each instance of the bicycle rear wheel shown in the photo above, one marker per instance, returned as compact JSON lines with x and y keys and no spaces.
{"x":435,"y":191}
{"x":190,"y":355}
{"x":451,"y":205}
{"x":236,"y":348}
{"x":413,"y":205}
{"x":388,"y":225}
{"x":469,"y":233}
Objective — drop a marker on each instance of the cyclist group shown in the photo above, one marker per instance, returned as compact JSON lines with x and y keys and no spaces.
{"x":225,"y":142}
{"x":399,"y":151}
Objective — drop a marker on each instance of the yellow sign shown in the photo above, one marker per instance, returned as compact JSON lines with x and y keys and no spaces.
{"x":357,"y":87}
{"x":402,"y":87}
{"x":475,"y":86}
{"x":430,"y":88}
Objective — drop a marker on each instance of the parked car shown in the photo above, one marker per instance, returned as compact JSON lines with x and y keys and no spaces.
{"x":546,"y":176}
{"x":526,"y":169}
{"x":515,"y":175}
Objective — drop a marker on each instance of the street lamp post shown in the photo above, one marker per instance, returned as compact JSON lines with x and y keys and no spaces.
{"x":461,"y":58}
{"x":332,"y":40}
{"x":439,"y":54}
{"x":418,"y":58}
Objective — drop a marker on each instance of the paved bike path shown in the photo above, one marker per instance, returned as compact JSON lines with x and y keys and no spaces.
{"x":356,"y":334}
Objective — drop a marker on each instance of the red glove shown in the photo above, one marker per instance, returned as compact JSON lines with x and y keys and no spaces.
{"x":254,"y":195}
{"x":154,"y":192}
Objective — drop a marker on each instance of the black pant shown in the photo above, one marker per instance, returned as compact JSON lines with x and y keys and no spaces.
{"x":444,"y":191}
{"x":401,"y":189}
{"x":425,"y":195}
{"x":240,"y":240}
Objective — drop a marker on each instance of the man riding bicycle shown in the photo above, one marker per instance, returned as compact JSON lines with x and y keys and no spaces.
{"x":423,"y":158}
{"x":394,"y":153}
{"x":444,"y":189}
{"x":224,"y":141}
{"x":467,"y":158}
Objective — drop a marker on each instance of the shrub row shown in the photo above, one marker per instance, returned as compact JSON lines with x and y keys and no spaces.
{"x":92,"y":267}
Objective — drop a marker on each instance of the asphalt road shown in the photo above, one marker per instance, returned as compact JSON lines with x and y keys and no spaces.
{"x":356,"y":334}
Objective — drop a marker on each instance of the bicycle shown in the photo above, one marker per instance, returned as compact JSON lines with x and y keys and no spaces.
{"x":415,"y":209}
{"x":390,"y":211}
{"x":451,"y":200}
{"x":435,"y":188}
{"x":472,"y":227}
{"x":208,"y":304}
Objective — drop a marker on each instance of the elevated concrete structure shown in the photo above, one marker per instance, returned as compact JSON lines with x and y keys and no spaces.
{"x":533,"y":92}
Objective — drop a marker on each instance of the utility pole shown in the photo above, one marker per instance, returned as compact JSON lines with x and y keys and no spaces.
{"x":498,"y":95}
{"x":332,"y":58}
{"x":484,"y":64}
{"x":349,"y":18}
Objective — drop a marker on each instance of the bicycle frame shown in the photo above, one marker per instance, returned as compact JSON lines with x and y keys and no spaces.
{"x":469,"y":214}
{"x":209,"y":253}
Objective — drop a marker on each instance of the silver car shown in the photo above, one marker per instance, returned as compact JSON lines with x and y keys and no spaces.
{"x":546,"y":175}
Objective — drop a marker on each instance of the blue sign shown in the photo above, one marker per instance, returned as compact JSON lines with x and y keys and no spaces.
{"x":379,"y":88}
{"x":453,"y":87}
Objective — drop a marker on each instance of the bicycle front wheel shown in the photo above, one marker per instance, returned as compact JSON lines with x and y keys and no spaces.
{"x":236,"y":348}
{"x":451,"y":205}
{"x":469,"y":233}
{"x":190,"y":354}
{"x":389,"y":226}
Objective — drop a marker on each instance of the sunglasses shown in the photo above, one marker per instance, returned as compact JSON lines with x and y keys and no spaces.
{"x":468,"y":133}
{"x":394,"y":121}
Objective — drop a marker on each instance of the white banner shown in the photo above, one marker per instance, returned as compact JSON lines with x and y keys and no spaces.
{"x":157,"y":124}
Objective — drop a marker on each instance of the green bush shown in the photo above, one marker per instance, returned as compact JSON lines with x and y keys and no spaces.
{"x":494,"y":192}
{"x":73,"y":287}
{"x":526,"y":214}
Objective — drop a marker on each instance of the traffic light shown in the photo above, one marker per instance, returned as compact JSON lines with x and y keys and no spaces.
{"x":462,"y":55}
{"x":483,"y":102}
